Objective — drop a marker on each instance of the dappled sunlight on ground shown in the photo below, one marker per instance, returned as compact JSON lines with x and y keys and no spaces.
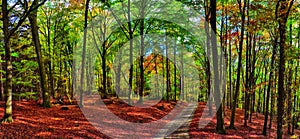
{"x":253,"y":130}
{"x":33,"y":121}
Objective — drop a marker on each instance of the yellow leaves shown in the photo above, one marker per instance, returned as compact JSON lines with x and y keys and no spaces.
{"x":266,"y":34}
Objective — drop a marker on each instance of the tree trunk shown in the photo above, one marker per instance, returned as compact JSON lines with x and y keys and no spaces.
{"x":42,"y":71}
{"x":1,"y":83}
{"x":174,"y":72}
{"x":131,"y":53}
{"x":294,"y":123}
{"x":83,"y":54}
{"x":217,"y":87}
{"x":289,"y":87}
{"x":208,"y":47}
{"x":168,"y":68}
{"x":8,"y":65}
{"x":272,"y":103}
{"x":237,"y":90}
{"x":141,"y":87}
{"x":281,"y":9}
{"x":51,"y":80}
{"x":269,"y":87}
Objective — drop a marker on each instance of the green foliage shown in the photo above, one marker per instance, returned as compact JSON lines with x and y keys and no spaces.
{"x":26,"y":95}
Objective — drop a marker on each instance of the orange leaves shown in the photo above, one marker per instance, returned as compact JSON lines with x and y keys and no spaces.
{"x":153,"y":61}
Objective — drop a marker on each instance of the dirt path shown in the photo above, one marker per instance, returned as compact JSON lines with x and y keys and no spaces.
{"x":182,"y":121}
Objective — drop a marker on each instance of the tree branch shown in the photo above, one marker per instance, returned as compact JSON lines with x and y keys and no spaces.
{"x":23,"y":18}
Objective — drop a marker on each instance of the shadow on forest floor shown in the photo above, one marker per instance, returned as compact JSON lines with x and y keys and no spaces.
{"x":33,"y":121}
{"x":253,"y":130}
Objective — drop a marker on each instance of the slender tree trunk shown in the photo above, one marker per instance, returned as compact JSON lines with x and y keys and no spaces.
{"x":237,"y":90}
{"x":83,"y":54}
{"x":103,"y":66}
{"x":294,"y":123}
{"x":252,"y":78}
{"x":1,"y":83}
{"x":217,"y":87}
{"x":163,"y":72}
{"x":131,"y":53}
{"x":174,"y":72}
{"x":51,"y":80}
{"x":289,"y":87}
{"x":182,"y":75}
{"x":141,"y":87}
{"x":208,"y":47}
{"x":247,"y":79}
{"x":168,"y":68}
{"x":269,"y":86}
{"x":230,"y":76}
{"x":272,"y":103}
{"x":265,"y":88}
{"x":156,"y":76}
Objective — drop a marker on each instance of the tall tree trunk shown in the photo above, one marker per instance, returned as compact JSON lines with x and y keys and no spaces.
{"x":272,"y":102}
{"x":181,"y":75}
{"x":237,"y":90}
{"x":269,"y":86}
{"x":294,"y":123}
{"x":174,"y":72}
{"x":208,"y":47}
{"x":248,"y":70}
{"x":283,"y":8}
{"x":289,"y":86}
{"x":265,"y":88}
{"x":42,"y":71}
{"x":8,"y":65}
{"x":83,"y":54}
{"x":247,"y":87}
{"x":252,"y":78}
{"x":103,"y":66}
{"x":168,"y":68}
{"x":217,"y":87}
{"x":141,"y":87}
{"x":1,"y":83}
{"x":131,"y":53}
{"x":51,"y":80}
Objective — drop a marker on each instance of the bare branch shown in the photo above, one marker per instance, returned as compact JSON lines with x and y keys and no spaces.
{"x":13,"y":6}
{"x":25,"y":15}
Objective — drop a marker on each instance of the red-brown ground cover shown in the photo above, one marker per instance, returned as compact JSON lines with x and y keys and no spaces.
{"x":33,"y":121}
{"x":253,"y":130}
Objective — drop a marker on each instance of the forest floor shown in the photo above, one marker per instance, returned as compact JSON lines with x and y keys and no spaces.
{"x":68,"y":121}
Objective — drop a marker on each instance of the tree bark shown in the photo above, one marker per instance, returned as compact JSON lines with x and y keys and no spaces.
{"x":8,"y":65}
{"x":130,"y":32}
{"x":141,"y":66}
{"x":283,"y":8}
{"x":35,"y":38}
{"x":208,"y":47}
{"x":217,"y":84}
{"x":269,"y":87}
{"x":237,"y":90}
{"x":83,"y":54}
{"x":168,"y":68}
